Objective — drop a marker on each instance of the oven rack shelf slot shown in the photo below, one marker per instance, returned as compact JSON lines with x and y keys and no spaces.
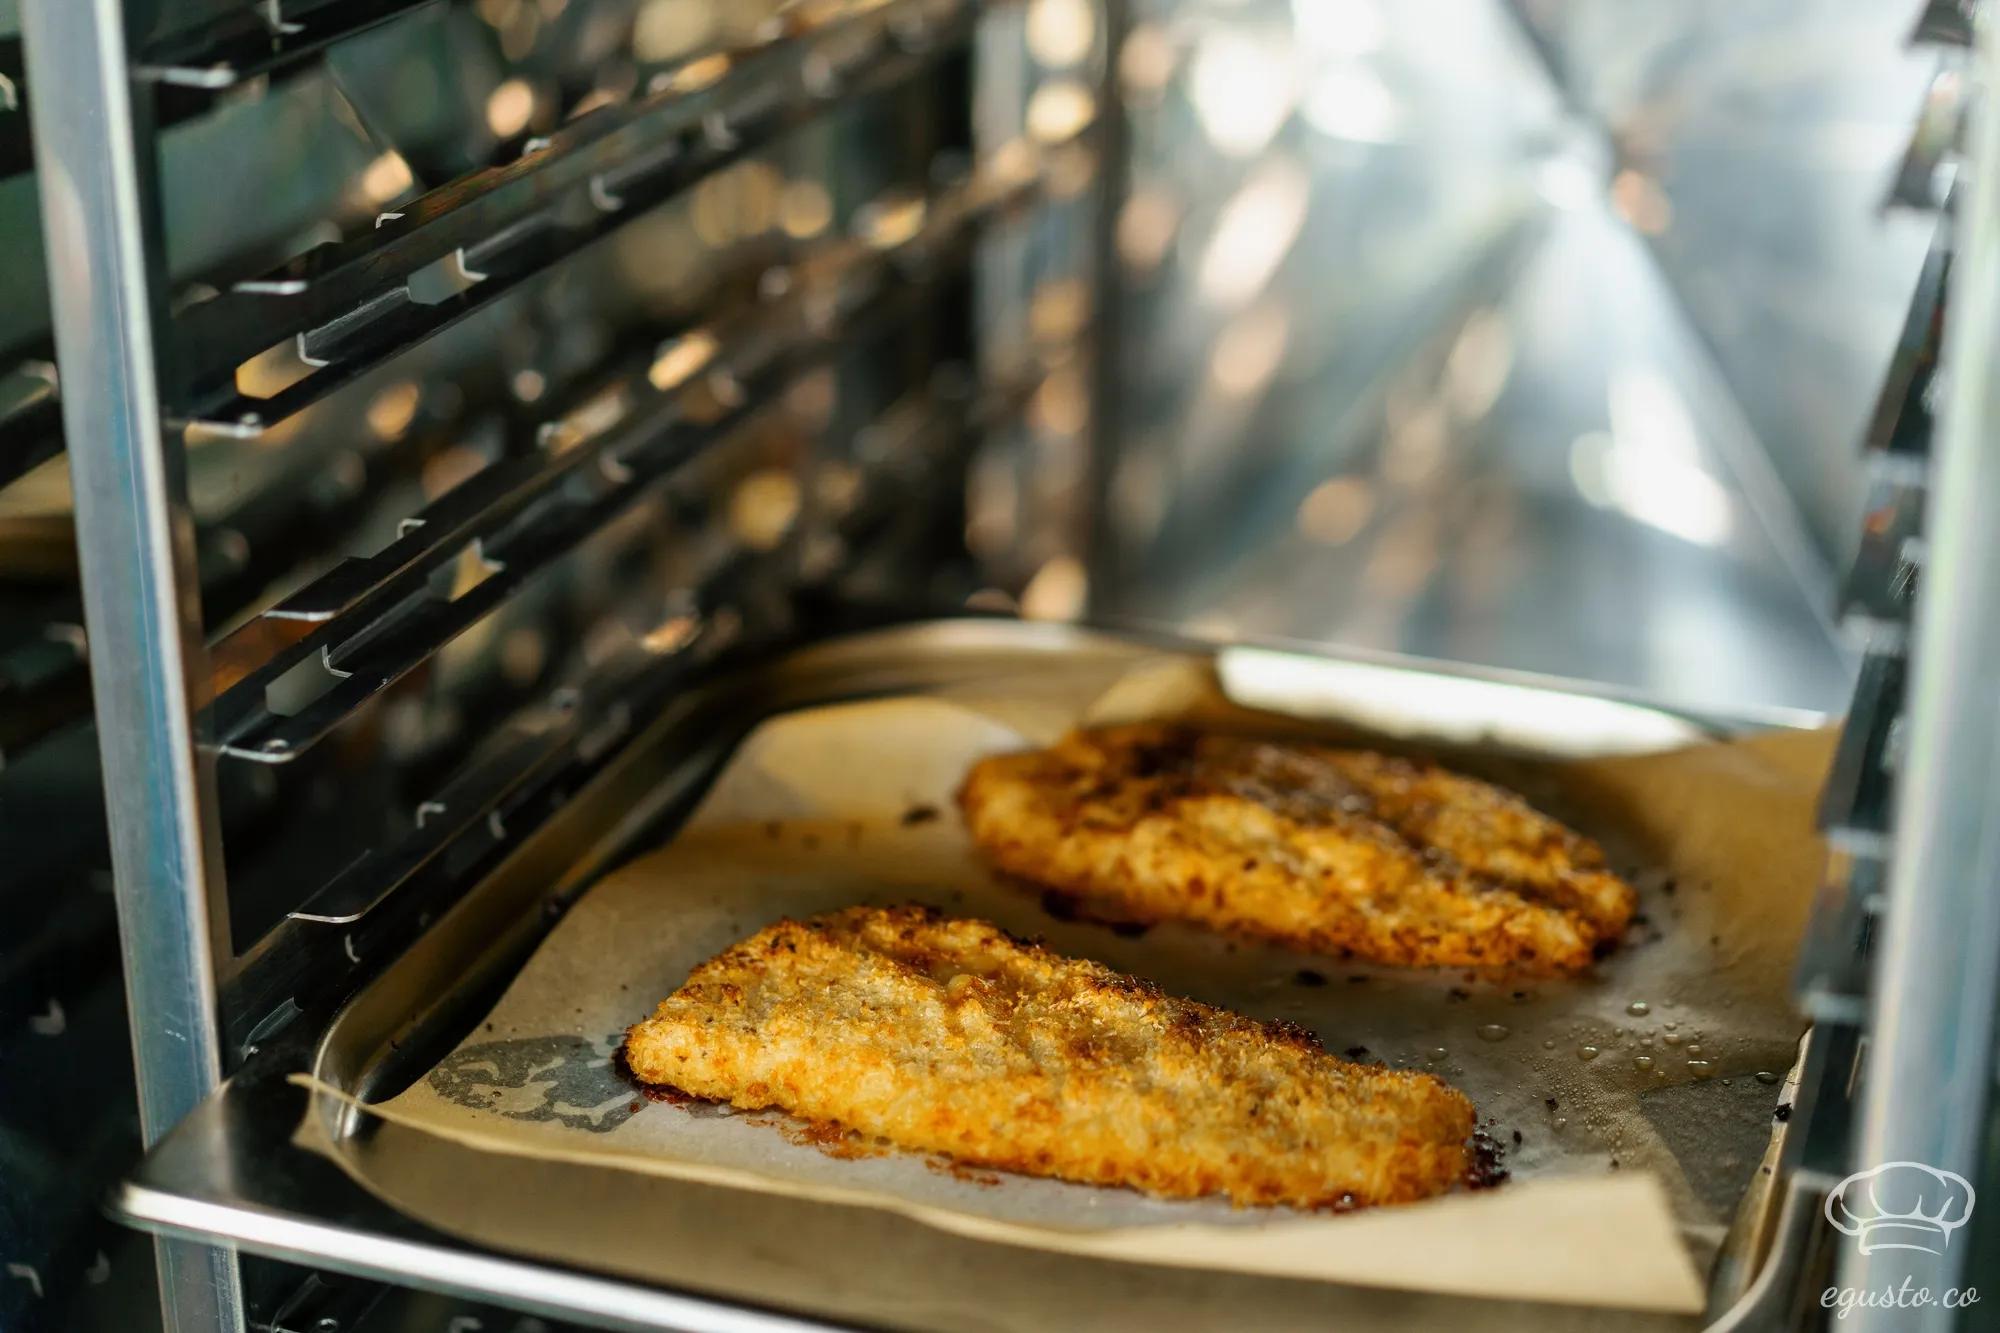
{"x":1929,"y":167}
{"x":1880,"y":590}
{"x":1855,"y":805}
{"x":1945,"y":23}
{"x":1899,"y":431}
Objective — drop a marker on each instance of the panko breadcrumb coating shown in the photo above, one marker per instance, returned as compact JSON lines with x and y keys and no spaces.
{"x":1323,"y":850}
{"x":950,"y":1036}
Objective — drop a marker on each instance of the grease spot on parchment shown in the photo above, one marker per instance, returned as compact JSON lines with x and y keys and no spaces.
{"x":566,"y":1078}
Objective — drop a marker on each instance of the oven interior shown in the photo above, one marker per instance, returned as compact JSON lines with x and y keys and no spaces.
{"x":433,"y":432}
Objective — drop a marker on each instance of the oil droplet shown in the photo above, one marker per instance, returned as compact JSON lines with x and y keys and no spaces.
{"x":1437,"y":1053}
{"x":1586,"y":1052}
{"x":1766,"y":1077}
{"x":1638,"y":1008}
{"x":1700,"y":1068}
{"x":1548,"y":1043}
{"x":1646,"y":1042}
{"x":1493,"y":1032}
{"x":1694,"y":1048}
{"x":1642,"y":1062}
{"x":1671,"y":1038}
{"x":1561,"y":1122}
{"x":1671,"y":1025}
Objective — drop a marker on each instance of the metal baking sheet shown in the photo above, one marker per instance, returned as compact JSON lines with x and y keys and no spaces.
{"x":1672,"y":1034}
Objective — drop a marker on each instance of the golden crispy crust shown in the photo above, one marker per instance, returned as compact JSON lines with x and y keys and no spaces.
{"x":1329,"y":851}
{"x":950,"y":1036}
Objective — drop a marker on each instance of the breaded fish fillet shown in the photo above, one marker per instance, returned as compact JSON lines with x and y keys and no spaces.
{"x":950,"y":1036}
{"x":1318,"y":849}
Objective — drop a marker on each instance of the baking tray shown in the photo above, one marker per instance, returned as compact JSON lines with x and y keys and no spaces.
{"x":232,"y":1173}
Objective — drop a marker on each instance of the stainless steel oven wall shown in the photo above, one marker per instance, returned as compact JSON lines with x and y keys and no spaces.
{"x":1541,"y":335}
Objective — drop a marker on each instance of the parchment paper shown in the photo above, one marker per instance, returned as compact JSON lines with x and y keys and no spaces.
{"x":851,"y":804}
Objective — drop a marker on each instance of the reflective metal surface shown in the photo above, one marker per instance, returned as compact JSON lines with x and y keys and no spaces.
{"x":141,"y":592}
{"x":1932,"y":1023}
{"x":1541,"y":335}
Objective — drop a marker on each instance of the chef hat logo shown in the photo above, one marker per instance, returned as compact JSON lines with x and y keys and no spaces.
{"x":1901,"y":1206}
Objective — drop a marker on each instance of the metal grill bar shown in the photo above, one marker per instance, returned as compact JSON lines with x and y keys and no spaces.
{"x":376,"y":618}
{"x":349,"y":304}
{"x":1923,"y":180}
{"x":1881,"y":586}
{"x":1899,"y":433}
{"x":1854,"y":806}
{"x":527,"y":748}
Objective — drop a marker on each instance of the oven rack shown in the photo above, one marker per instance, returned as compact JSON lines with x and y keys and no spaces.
{"x":240,"y":553}
{"x":611,"y":460}
{"x":348,"y":305}
{"x":348,"y":308}
{"x":374,"y":619}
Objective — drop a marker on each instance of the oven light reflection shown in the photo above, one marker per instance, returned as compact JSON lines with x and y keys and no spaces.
{"x":1060,"y":32}
{"x":1349,"y":101}
{"x":1057,"y":591}
{"x":1671,"y":494}
{"x":1255,"y":231}
{"x":1466,"y":710}
{"x":1249,"y":351}
{"x":1338,"y":27}
{"x":1242,"y":90}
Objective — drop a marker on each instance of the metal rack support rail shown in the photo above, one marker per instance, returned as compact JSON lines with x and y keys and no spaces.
{"x":140,"y":587}
{"x":1932,"y":1021}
